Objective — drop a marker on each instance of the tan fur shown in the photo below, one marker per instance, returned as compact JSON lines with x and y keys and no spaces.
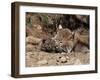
{"x":65,"y":37}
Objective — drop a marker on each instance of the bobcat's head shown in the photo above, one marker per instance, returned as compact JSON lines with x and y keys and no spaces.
{"x":64,"y":39}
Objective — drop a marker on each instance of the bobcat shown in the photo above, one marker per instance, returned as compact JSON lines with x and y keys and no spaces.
{"x":64,"y":40}
{"x":67,"y":40}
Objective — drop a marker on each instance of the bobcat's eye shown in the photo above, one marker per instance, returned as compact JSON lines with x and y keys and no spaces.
{"x":60,"y":42}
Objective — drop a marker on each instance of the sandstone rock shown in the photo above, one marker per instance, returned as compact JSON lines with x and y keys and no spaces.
{"x":77,"y":62}
{"x":63,"y":53}
{"x":39,"y":27}
{"x":29,"y":47}
{"x":63,"y":59}
{"x":33,"y":40}
{"x":67,"y":57}
{"x":81,"y":48}
{"x":42,"y":62}
{"x":28,"y":55}
{"x":51,"y":62}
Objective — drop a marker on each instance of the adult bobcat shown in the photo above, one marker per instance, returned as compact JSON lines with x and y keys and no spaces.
{"x":68,"y":40}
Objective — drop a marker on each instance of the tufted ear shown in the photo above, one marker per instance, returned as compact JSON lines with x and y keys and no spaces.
{"x":60,"y":26}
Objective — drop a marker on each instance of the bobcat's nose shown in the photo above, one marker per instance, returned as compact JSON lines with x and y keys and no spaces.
{"x":69,"y":49}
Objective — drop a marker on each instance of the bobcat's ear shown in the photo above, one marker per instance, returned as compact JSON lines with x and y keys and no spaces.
{"x":72,"y":33}
{"x":60,"y":26}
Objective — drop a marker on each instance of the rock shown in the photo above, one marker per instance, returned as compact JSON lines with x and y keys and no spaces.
{"x":77,"y":62}
{"x":81,"y":48}
{"x":63,"y":59}
{"x":29,"y":31}
{"x":42,"y":62}
{"x":51,"y":62}
{"x":70,"y":61}
{"x":28,"y":55}
{"x":33,"y":40}
{"x":29,"y":47}
{"x":67,"y":57}
{"x":63,"y":53}
{"x":39,"y":27}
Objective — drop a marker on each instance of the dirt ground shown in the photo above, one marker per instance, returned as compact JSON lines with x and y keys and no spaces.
{"x":35,"y":58}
